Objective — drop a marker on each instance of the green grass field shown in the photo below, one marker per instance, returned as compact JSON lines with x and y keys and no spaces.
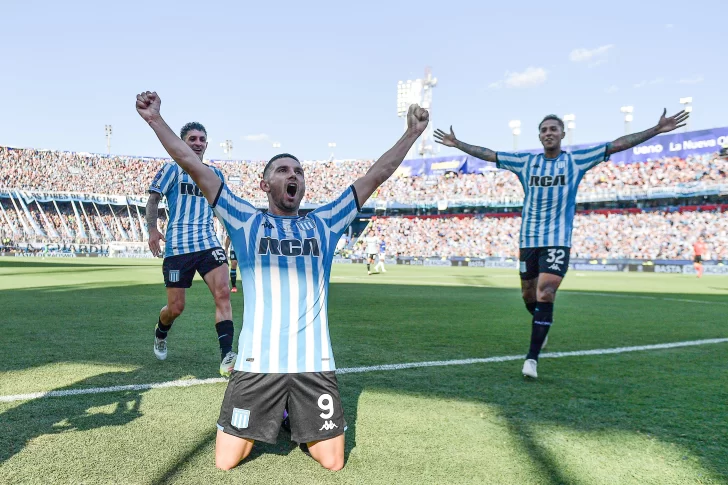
{"x":654,"y":416}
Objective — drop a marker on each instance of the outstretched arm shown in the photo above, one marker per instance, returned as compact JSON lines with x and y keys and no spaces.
{"x":417,"y":119}
{"x":665,"y":125}
{"x":148,"y":105}
{"x":449,"y":140}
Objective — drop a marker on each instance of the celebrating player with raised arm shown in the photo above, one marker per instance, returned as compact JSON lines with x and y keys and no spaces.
{"x":285,"y":260}
{"x":550,"y":181}
{"x":191,"y":246}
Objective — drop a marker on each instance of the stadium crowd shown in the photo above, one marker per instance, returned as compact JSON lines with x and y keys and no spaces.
{"x":644,"y":235}
{"x":116,"y":175}
{"x":641,"y":235}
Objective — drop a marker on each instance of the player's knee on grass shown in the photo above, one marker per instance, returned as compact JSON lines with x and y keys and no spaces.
{"x":230,"y":450}
{"x":331,"y":461}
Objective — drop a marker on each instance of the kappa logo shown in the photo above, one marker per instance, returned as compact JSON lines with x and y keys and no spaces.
{"x":240,"y":418}
{"x":328,"y":426}
{"x":174,"y":276}
{"x":555,"y":266}
{"x":267,"y":225}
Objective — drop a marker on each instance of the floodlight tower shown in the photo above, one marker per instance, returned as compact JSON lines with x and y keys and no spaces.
{"x":688,"y":107}
{"x":227,"y":148}
{"x":627,"y":110}
{"x":108,"y":139}
{"x":515,"y":126}
{"x":570,"y":121}
{"x":419,"y":92}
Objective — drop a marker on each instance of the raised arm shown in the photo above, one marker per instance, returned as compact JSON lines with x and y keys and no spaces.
{"x":665,"y":125}
{"x":417,"y":119}
{"x":148,"y":105}
{"x":152,"y":214}
{"x":449,"y":140}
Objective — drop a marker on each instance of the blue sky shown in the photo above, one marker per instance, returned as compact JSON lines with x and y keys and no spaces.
{"x":308,"y":73}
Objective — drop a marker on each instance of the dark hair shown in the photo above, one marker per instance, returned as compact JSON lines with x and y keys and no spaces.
{"x":270,"y":162}
{"x":552,"y":117}
{"x":192,"y":125}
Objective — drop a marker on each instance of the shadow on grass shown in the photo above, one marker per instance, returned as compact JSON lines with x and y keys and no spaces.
{"x":114,"y":325}
{"x":45,"y":416}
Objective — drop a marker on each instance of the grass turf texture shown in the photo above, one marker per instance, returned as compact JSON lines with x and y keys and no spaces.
{"x":645,"y":417}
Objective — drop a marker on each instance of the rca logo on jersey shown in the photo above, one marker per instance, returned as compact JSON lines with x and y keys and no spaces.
{"x":289,"y":247}
{"x":547,"y":181}
{"x":186,"y":188}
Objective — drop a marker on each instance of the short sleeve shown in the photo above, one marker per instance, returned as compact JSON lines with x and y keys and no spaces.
{"x":337,"y":215}
{"x":164,"y":179}
{"x":231,"y":209}
{"x":513,"y":162}
{"x":587,"y":158}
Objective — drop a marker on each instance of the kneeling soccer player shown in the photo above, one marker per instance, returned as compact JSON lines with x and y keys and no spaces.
{"x":285,"y":356}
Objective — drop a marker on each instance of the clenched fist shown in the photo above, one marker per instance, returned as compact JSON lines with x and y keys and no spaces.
{"x":417,"y":119}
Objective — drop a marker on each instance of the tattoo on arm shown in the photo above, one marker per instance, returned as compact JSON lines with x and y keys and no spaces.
{"x":476,"y":151}
{"x":153,"y":210}
{"x":628,"y":141}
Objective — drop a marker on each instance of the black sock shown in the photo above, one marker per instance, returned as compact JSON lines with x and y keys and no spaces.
{"x":233,"y":276}
{"x":162,"y":329}
{"x":368,"y":266}
{"x":543,"y":317}
{"x":531,"y":307}
{"x":225,"y":333}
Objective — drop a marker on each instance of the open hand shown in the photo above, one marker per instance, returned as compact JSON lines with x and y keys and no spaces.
{"x":446,"y":139}
{"x":666,"y":125}
{"x":148,"y":105}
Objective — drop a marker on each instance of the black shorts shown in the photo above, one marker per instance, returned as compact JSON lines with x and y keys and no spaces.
{"x":233,"y":257}
{"x":551,"y":259}
{"x":373,"y":256}
{"x":180,"y":270}
{"x":253,"y":406}
{"x":698,"y":259}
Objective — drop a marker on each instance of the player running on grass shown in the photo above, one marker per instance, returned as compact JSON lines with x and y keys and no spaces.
{"x":285,"y":355}
{"x":550,"y":181}
{"x":191,"y":246}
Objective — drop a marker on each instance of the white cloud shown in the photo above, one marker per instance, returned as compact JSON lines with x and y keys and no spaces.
{"x":655,"y":81}
{"x":258,"y":137}
{"x":692,"y":80}
{"x":582,"y":54}
{"x":611,"y":89}
{"x":531,"y":77}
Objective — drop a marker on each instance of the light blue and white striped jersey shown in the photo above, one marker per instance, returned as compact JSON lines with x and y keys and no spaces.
{"x":550,"y":187}
{"x":285,"y":264}
{"x":190,"y":227}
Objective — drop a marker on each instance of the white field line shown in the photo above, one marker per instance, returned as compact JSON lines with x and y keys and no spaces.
{"x":373,"y":368}
{"x":573,"y":292}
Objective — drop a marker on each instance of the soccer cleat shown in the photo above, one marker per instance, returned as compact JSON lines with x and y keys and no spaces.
{"x":160,"y":348}
{"x":234,"y":289}
{"x":228,"y":364}
{"x":529,"y":368}
{"x":369,"y":273}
